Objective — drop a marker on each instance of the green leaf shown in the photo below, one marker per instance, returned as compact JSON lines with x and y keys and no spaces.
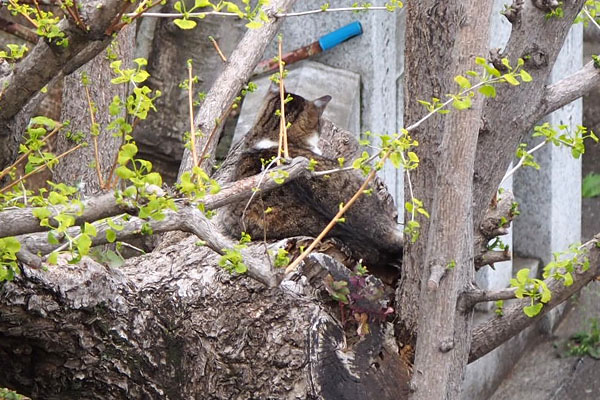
{"x":89,"y":229}
{"x":462,"y":82}
{"x":523,"y":275}
{"x":127,"y":152}
{"x":533,"y":310}
{"x":396,"y":159}
{"x":488,"y":91}
{"x":254,"y":24}
{"x":462,"y":104}
{"x":83,"y":244}
{"x":124,"y":173}
{"x":41,"y":213}
{"x":40,"y":120}
{"x":111,"y":236}
{"x":510,"y":79}
{"x":525,"y":77}
{"x":412,"y":156}
{"x":185,"y":23}
{"x":53,"y":258}
{"x":568,"y":279}
{"x":10,"y":245}
{"x":591,"y":186}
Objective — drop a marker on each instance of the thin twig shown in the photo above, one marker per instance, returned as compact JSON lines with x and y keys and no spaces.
{"x":37,"y":9}
{"x":38,"y":169}
{"x":115,"y":25}
{"x":480,"y":296}
{"x":24,"y":156}
{"x":283,"y":143}
{"x":342,"y":169}
{"x":521,"y":161}
{"x":191,"y":106}
{"x":74,"y":14}
{"x":133,"y":16}
{"x":276,"y":160}
{"x":585,"y":10}
{"x":355,"y":9}
{"x":27,"y":17}
{"x":278,"y":15}
{"x":216,"y":128}
{"x":110,"y":183}
{"x":217,"y":48}
{"x":94,"y":137}
{"x":292,"y":267}
{"x":447,"y":102}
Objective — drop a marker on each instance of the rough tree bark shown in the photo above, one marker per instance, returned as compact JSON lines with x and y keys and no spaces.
{"x":172,"y":324}
{"x":434,"y":42}
{"x":443,"y":337}
{"x":46,"y":62}
{"x":80,"y":167}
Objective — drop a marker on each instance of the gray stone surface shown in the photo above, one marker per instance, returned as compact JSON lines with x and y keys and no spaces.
{"x":311,"y":80}
{"x":550,"y":199}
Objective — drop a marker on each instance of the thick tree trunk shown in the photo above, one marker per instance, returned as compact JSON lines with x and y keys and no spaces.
{"x":538,"y":40}
{"x":444,"y":181}
{"x":80,"y":167}
{"x":174,"y":325}
{"x":431,"y":29}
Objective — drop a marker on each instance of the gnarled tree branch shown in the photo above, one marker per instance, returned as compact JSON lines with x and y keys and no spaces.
{"x":570,"y":88}
{"x":496,"y":331}
{"x":22,"y":221}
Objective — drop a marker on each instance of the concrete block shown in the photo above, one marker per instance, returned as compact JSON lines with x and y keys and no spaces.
{"x":311,"y":80}
{"x":550,"y":199}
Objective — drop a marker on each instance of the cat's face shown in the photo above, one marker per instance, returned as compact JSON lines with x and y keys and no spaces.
{"x":301,"y":115}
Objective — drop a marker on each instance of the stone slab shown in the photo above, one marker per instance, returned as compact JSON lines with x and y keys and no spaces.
{"x":310,"y":80}
{"x":550,"y":198}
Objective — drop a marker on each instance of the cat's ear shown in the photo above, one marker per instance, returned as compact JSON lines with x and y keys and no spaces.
{"x":321,"y":103}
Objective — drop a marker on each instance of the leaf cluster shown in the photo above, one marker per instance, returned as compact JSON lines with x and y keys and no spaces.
{"x":45,"y":22}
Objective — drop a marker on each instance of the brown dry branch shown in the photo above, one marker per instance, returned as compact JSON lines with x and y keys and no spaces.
{"x":22,"y":221}
{"x":491,"y":334}
{"x":282,"y":150}
{"x":191,"y":112}
{"x":217,"y":48}
{"x":39,"y":169}
{"x":94,"y":137}
{"x":18,"y":30}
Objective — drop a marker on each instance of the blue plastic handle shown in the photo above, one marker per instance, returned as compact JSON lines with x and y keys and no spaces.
{"x":338,"y":36}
